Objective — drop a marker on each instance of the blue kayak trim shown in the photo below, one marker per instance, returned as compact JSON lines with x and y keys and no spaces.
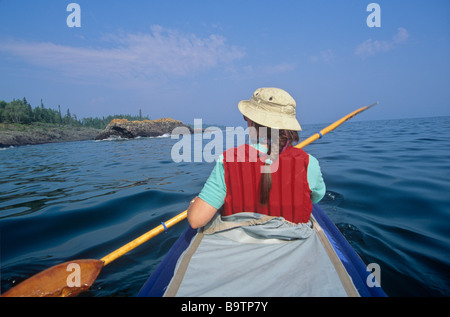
{"x":350,"y":259}
{"x":158,"y":281}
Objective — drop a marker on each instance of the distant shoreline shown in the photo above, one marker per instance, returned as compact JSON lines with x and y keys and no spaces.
{"x":41,"y":133}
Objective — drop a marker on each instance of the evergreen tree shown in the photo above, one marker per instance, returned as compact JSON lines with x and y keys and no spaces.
{"x":20,"y":111}
{"x":59,"y":115}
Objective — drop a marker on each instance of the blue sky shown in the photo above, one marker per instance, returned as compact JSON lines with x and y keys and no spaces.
{"x":197,"y":59}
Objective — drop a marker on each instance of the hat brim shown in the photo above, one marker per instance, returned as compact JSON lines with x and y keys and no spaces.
{"x":268,"y":119}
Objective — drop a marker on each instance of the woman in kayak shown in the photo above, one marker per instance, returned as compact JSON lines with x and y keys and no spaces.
{"x":269,"y":175}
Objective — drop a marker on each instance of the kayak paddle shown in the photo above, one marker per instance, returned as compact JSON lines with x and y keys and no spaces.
{"x":57,"y":280}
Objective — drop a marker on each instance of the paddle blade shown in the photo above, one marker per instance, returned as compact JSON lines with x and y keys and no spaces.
{"x":62,"y":280}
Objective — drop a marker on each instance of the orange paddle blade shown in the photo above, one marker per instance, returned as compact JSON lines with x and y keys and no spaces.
{"x":62,"y":280}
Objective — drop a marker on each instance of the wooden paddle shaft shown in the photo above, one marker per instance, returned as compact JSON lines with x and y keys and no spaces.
{"x":143,"y":238}
{"x":332,"y":127}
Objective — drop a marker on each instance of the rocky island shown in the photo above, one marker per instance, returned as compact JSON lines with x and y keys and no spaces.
{"x":40,"y":133}
{"x":123,"y":128}
{"x":21,"y":124}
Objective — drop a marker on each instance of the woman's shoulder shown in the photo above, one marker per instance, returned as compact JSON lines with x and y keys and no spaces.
{"x":294,"y":151}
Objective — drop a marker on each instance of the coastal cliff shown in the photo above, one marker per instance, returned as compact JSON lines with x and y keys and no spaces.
{"x":147,"y":128}
{"x":39,"y":133}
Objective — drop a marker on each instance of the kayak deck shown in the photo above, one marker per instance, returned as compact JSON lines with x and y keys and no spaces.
{"x":346,"y":260}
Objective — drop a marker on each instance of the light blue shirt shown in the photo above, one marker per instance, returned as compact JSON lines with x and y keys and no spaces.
{"x":215,"y":190}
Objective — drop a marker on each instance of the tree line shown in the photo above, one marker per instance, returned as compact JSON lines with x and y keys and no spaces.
{"x":20,"y":111}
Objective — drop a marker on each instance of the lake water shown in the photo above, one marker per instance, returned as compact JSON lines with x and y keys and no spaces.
{"x":388,"y":191}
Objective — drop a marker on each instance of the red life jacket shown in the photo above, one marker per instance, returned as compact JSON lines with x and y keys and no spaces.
{"x":290,"y":194}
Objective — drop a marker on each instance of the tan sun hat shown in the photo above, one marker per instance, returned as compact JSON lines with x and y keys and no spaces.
{"x":271,"y":107}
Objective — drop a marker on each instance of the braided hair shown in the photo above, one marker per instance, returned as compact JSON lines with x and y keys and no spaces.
{"x":282,"y":139}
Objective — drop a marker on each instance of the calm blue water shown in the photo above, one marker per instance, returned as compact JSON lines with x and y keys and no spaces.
{"x":388,"y":192}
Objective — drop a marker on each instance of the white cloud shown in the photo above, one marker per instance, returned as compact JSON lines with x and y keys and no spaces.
{"x":159,"y":53}
{"x":326,"y":56}
{"x":371,"y":47}
{"x":401,"y":36}
{"x":97,"y":101}
{"x":278,"y":68}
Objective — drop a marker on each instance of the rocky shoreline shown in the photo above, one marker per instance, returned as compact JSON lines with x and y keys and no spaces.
{"x":122,"y":128}
{"x":20,"y":134}
{"x":17,"y":135}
